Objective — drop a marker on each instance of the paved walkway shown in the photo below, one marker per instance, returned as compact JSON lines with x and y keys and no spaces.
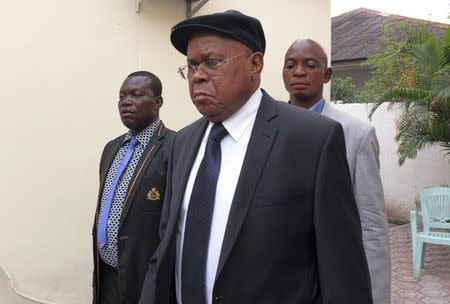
{"x":433,"y":286}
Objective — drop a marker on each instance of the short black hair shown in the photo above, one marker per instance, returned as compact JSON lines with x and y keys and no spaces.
{"x":155,"y":82}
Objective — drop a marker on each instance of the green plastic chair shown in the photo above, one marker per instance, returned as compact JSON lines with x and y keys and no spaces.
{"x":435,"y":212}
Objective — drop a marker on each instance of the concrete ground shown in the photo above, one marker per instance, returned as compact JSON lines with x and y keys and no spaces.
{"x":433,"y":286}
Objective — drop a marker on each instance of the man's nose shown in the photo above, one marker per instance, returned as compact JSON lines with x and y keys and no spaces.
{"x":199,"y":75}
{"x":126,"y":100}
{"x":299,"y":70}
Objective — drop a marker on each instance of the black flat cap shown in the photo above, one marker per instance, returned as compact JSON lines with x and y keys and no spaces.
{"x":243,"y":28}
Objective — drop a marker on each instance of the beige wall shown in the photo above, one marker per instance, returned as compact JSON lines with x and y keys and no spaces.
{"x":62,"y":63}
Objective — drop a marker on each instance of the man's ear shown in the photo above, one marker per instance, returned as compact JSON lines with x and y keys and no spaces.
{"x":328,"y":73}
{"x":159,"y":101}
{"x":257,"y":63}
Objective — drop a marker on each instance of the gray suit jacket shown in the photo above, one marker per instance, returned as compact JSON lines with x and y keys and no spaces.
{"x":362,"y":156}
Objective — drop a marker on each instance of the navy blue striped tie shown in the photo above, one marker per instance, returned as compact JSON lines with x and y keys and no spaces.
{"x":198,"y":221}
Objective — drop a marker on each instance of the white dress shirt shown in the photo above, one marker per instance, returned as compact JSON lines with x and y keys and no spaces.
{"x":233,"y":149}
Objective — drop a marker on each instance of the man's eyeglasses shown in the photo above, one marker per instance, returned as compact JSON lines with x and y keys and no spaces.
{"x":209,"y":66}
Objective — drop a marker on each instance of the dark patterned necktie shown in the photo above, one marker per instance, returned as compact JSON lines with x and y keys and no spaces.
{"x":198,"y":221}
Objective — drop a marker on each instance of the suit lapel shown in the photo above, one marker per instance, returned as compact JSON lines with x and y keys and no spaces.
{"x":263,"y":134}
{"x":104,"y":171}
{"x":146,"y":158}
{"x":187,"y":143}
{"x":187,"y":151}
{"x":328,"y":111}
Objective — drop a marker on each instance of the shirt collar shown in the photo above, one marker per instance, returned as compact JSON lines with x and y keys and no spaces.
{"x":318,"y":106}
{"x":237,"y":123}
{"x":145,"y":135}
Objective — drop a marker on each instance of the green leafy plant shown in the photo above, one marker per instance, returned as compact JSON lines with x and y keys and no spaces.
{"x":342,"y":89}
{"x":421,"y":94}
{"x":389,"y":67}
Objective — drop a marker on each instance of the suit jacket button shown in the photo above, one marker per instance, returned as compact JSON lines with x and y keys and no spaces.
{"x":218,"y":299}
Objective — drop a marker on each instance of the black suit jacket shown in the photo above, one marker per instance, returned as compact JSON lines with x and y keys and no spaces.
{"x":138,"y":229}
{"x":293,"y":233}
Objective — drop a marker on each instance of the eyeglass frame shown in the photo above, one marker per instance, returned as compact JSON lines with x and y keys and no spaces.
{"x":194,"y":68}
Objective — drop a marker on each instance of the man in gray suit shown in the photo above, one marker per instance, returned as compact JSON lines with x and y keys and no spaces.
{"x":304,"y":73}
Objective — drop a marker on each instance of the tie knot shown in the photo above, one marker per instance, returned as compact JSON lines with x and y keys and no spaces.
{"x":218,"y":132}
{"x":133,"y":143}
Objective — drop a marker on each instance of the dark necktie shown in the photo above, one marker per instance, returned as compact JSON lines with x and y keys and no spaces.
{"x":198,"y":221}
{"x":103,"y":220}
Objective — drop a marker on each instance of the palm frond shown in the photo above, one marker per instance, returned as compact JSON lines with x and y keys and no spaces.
{"x":373,"y":107}
{"x":406,"y":95}
{"x":446,"y":147}
{"x":428,"y":59}
{"x":427,"y":53}
{"x":417,"y":115}
{"x":440,"y":85}
{"x":447,"y":36}
{"x":418,"y":36}
{"x":440,"y":130}
{"x":413,"y":132}
{"x":409,"y":144}
{"x":445,"y":51}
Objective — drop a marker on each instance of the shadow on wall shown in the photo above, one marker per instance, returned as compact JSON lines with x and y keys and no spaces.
{"x":397,"y":212}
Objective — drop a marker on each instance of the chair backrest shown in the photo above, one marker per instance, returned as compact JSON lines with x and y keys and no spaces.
{"x":435,"y":204}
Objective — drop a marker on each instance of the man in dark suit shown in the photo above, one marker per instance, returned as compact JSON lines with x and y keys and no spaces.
{"x":259,"y":205}
{"x":132,"y":185}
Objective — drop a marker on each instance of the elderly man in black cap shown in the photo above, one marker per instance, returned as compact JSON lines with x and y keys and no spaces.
{"x":259,"y":205}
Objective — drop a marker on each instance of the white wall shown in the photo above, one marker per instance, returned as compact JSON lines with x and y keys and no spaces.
{"x":62,"y":63}
{"x":402,"y":184}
